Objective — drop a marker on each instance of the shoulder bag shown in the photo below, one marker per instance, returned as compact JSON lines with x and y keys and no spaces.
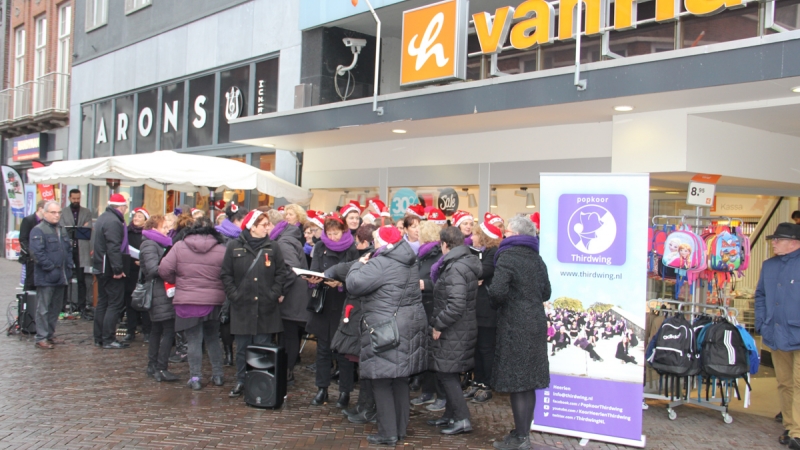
{"x":384,"y":335}
{"x":142,"y":296}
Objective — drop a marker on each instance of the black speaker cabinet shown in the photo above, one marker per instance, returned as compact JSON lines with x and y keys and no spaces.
{"x":26,"y":304}
{"x":265,"y":378}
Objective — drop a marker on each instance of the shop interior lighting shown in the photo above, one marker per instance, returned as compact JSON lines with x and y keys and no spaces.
{"x":362,"y":198}
{"x":399,"y":131}
{"x":623,"y":108}
{"x":530,"y":202}
{"x":471,"y":202}
{"x":672,"y":192}
{"x":796,"y":89}
{"x":493,"y":198}
{"x":343,"y":198}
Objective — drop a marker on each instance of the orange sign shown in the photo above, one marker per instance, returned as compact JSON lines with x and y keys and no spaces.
{"x":434,"y":43}
{"x":706,"y":178}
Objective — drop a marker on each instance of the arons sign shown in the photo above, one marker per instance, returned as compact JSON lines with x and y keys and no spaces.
{"x":434,"y":35}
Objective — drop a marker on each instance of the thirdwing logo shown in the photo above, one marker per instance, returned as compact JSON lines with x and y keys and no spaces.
{"x":434,"y":43}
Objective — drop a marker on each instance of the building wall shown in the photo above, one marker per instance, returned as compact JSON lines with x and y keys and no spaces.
{"x":24,"y":13}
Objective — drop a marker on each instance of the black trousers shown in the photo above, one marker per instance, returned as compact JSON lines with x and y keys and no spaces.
{"x":393,"y":407}
{"x":292,"y":331}
{"x":484,"y":355}
{"x":77,"y":271}
{"x":456,"y":407}
{"x":225,"y":334}
{"x":29,"y":285}
{"x":324,"y":360}
{"x":110,"y":302}
{"x":162,"y":334}
{"x":366,"y":394}
{"x":590,"y":349}
{"x":431,"y":385}
{"x":242,"y":342}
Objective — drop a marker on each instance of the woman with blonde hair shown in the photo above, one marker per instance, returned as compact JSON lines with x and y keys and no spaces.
{"x":295,"y":214}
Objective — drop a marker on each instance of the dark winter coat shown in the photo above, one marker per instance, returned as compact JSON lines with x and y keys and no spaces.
{"x":325,"y":323}
{"x":295,"y":289}
{"x":347,"y":339}
{"x":26,"y":257}
{"x":519,"y":288}
{"x":51,"y":249}
{"x":388,"y":284}
{"x":193,"y":265}
{"x":254,"y":295}
{"x":454,"y":297}
{"x":150,"y":254}
{"x":486,"y":315}
{"x":425,"y":263}
{"x":108,"y":233}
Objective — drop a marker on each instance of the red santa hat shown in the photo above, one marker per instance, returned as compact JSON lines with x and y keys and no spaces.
{"x":437,"y":216}
{"x":219,"y":205}
{"x":535,"y":219}
{"x":281,"y":209}
{"x":370,"y":217}
{"x":378,"y":207}
{"x":233,"y":207}
{"x":493,"y":219}
{"x":117,"y":200}
{"x":250,"y":219}
{"x":350,"y":207}
{"x":416,"y":210}
{"x":460,"y":216}
{"x":316,"y":217}
{"x":143,"y":211}
{"x":390,"y":234}
{"x":490,"y":230}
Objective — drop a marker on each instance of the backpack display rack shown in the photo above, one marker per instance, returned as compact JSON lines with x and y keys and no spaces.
{"x":682,"y":371}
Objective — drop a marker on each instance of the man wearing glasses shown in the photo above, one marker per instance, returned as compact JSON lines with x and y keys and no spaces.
{"x":778,"y":322}
{"x":52,"y":252}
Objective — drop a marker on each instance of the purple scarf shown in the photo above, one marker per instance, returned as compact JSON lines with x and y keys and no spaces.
{"x":159,"y":238}
{"x":468,"y":240}
{"x":414,"y":245}
{"x":124,"y":247}
{"x":339,"y":246}
{"x":513,"y":241}
{"x":424,"y":249}
{"x":273,"y":235}
{"x":435,"y":269}
{"x":228,"y":229}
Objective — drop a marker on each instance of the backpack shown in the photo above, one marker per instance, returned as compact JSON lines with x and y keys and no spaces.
{"x":724,"y":252}
{"x":724,"y":354}
{"x":672,"y":352}
{"x":744,"y":243}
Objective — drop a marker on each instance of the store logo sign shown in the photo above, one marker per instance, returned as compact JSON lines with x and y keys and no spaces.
{"x":233,"y":105}
{"x":592,"y":229}
{"x":434,"y":43}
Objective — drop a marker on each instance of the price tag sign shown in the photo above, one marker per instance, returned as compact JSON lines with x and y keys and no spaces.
{"x":700,"y":194}
{"x":448,"y":201}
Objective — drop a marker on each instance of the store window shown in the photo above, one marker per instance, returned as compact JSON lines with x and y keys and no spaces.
{"x":731,"y":25}
{"x":96,"y":14}
{"x":267,"y":86}
{"x":645,"y":39}
{"x":19,"y":56}
{"x":87,"y":130}
{"x":124,"y":128}
{"x":104,"y":129}
{"x":234,"y":90}
{"x":201,"y":111}
{"x":787,"y":15}
{"x":40,"y":57}
{"x":172,"y":116}
{"x":264,"y":161}
{"x":131,"y":6}
{"x":145,"y":124}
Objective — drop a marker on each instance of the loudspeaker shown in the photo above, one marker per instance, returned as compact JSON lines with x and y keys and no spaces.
{"x":26,"y":307}
{"x":265,"y":378}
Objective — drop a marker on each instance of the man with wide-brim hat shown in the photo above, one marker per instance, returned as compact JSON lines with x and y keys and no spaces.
{"x":778,"y":322}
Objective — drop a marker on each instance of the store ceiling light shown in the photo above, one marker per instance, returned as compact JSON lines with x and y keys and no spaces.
{"x":399,"y":131}
{"x":672,"y":192}
{"x":796,"y":89}
{"x":623,"y":108}
{"x":493,"y":198}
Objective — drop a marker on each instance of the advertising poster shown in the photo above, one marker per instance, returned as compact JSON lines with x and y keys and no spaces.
{"x":15,"y":191}
{"x":595,"y":246}
{"x":30,"y":199}
{"x":401,"y":200}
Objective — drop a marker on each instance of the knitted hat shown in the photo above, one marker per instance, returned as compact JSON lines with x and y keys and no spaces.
{"x":117,"y":200}
{"x":250,"y":219}
{"x":377,"y":206}
{"x":416,"y":210}
{"x":143,"y":211}
{"x":350,"y":207}
{"x":490,"y":230}
{"x":460,"y":216}
{"x":437,"y":216}
{"x":219,"y":205}
{"x":535,"y":219}
{"x":493,"y":219}
{"x":316,"y":217}
{"x":390,"y":234}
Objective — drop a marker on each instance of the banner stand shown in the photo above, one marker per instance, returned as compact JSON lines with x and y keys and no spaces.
{"x":586,"y":437}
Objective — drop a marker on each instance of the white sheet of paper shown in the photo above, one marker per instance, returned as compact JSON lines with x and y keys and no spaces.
{"x":134,"y":252}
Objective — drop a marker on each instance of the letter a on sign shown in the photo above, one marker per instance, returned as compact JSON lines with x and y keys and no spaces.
{"x":434,"y":43}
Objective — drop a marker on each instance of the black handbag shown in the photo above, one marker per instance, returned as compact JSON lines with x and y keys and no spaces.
{"x":384,"y":335}
{"x":142,"y":297}
{"x":317,"y":300}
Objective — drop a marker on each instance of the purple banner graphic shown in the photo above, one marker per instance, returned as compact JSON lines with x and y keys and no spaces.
{"x":593,"y":406}
{"x":592,"y":229}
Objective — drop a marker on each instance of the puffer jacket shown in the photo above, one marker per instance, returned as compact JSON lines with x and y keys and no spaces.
{"x":254,"y":294}
{"x":150,"y":254}
{"x":295,"y":289}
{"x":388,"y":284}
{"x":347,"y":339}
{"x":427,"y":261}
{"x":486,"y":315}
{"x":193,"y":266}
{"x":454,"y":297}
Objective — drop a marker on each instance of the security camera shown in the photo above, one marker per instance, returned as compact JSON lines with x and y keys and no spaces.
{"x":354,"y":44}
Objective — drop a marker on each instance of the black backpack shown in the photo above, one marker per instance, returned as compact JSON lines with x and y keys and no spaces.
{"x":672,"y":353}
{"x":724,"y":354}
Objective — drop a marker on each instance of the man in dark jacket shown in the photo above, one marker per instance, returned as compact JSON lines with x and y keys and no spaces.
{"x":777,"y":311}
{"x":455,"y":327}
{"x":28,"y":222}
{"x":51,"y":250}
{"x":110,"y":243}
{"x":78,"y":216}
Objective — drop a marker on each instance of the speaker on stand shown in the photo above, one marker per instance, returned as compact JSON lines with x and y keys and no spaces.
{"x":265,"y":376}
{"x":26,"y":312}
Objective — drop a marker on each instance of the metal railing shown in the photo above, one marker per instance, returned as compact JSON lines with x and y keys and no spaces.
{"x":21,"y":96}
{"x":5,"y":105}
{"x":51,"y":93}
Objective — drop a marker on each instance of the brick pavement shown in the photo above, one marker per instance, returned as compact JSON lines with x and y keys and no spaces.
{"x":78,"y":396}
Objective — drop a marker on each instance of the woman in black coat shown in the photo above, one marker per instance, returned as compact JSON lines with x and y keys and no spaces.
{"x":388,"y":283}
{"x":455,"y":329}
{"x":134,"y":317}
{"x":486,"y":238}
{"x":336,"y":245}
{"x":253,"y":274}
{"x":155,"y":244}
{"x":519,"y":289}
